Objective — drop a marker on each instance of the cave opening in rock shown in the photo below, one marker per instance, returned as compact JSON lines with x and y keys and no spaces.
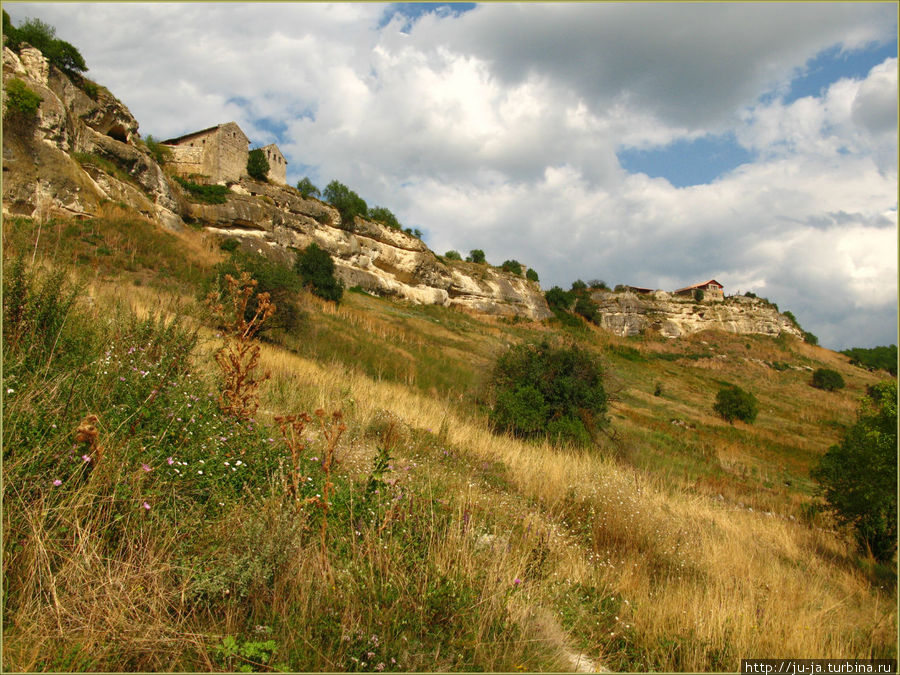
{"x":118,"y":132}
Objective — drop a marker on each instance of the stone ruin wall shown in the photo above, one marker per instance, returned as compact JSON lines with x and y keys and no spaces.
{"x":277,"y":164}
{"x":231,"y":150}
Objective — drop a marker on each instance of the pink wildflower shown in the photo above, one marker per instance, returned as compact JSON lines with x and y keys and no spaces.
{"x":145,"y":467}
{"x":147,"y":506}
{"x":57,"y":482}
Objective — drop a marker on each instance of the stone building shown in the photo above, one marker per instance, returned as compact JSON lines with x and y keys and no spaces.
{"x":220,"y":153}
{"x":712,"y":290}
{"x":277,"y":164}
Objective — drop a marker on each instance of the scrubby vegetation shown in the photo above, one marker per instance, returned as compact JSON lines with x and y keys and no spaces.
{"x":257,"y":164}
{"x":859,"y":476}
{"x":206,"y":194}
{"x":160,"y":153}
{"x":884,"y":358}
{"x":827,"y":379}
{"x":733,"y":403}
{"x":544,"y":391}
{"x":316,"y":270}
{"x":42,"y":36}
{"x":347,"y":202}
{"x":307,"y":189}
{"x":21,"y":102}
{"x":403,"y":533}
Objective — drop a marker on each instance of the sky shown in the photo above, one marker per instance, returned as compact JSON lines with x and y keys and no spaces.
{"x":656,"y":145}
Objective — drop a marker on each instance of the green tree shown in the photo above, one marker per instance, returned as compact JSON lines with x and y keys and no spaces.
{"x":307,"y":189}
{"x":859,"y":476}
{"x":453,"y":255}
{"x":384,"y":216}
{"x":42,"y":36}
{"x":884,"y":357}
{"x":513,"y":266}
{"x":476,"y":255}
{"x":733,"y":403}
{"x":827,"y":379}
{"x":257,"y":164}
{"x":316,"y":269}
{"x":347,"y":202}
{"x":541,"y":390}
{"x":558,"y":299}
{"x":698,"y":294}
{"x":531,"y":275}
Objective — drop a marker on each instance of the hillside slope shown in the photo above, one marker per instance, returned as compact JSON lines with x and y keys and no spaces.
{"x":147,"y":530}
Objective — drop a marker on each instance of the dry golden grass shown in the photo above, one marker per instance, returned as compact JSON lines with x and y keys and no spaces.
{"x":710,"y":574}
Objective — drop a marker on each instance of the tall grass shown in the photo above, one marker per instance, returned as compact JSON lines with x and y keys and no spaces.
{"x":166,"y":535}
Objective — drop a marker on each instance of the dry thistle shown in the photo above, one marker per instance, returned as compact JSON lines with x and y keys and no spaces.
{"x":239,"y":356}
{"x":87,"y":433}
{"x":332,"y":432}
{"x":292,"y":427}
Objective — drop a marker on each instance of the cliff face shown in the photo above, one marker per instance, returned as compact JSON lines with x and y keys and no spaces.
{"x":674,"y":316}
{"x":81,"y":152}
{"x":372,"y":256}
{"x":59,"y":165}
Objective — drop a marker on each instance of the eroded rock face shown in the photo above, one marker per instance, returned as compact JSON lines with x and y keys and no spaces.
{"x":68,"y":121}
{"x":674,"y":316}
{"x":374,"y":257}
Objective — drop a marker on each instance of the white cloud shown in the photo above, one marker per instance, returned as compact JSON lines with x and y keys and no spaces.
{"x":498,"y":129}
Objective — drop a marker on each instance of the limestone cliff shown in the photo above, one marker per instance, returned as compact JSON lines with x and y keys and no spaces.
{"x":82,"y":151}
{"x":674,"y":315}
{"x":375,"y":257}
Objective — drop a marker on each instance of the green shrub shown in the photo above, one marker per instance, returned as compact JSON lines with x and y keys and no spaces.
{"x":279,"y":281}
{"x":698,"y":295}
{"x":453,"y":255}
{"x":257,"y":164}
{"x":384,"y":216}
{"x":587,"y":308}
{"x":873,"y":358}
{"x":827,"y":379}
{"x":733,"y":403}
{"x":809,"y":338}
{"x":531,"y":275}
{"x":476,"y":255}
{"x":316,"y":269}
{"x":229,"y":244}
{"x":91,"y":89}
{"x":306,"y":188}
{"x":206,"y":194}
{"x":541,"y":390}
{"x":558,"y":299}
{"x":513,"y":266}
{"x":859,"y":476}
{"x":598,"y":284}
{"x":158,"y":151}
{"x":347,"y":202}
{"x":21,"y":102}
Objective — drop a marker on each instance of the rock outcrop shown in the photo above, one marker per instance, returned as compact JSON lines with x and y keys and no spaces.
{"x":375,"y":257}
{"x":69,"y":121}
{"x":82,"y":151}
{"x":674,"y":316}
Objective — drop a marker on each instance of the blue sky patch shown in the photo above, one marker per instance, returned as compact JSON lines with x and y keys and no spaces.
{"x":413,"y":10}
{"x":685,"y":162}
{"x":830,"y":65}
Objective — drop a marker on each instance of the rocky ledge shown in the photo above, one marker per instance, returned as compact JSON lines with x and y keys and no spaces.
{"x":674,"y":316}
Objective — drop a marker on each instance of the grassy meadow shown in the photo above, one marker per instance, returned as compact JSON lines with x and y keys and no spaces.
{"x":384,"y":527}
